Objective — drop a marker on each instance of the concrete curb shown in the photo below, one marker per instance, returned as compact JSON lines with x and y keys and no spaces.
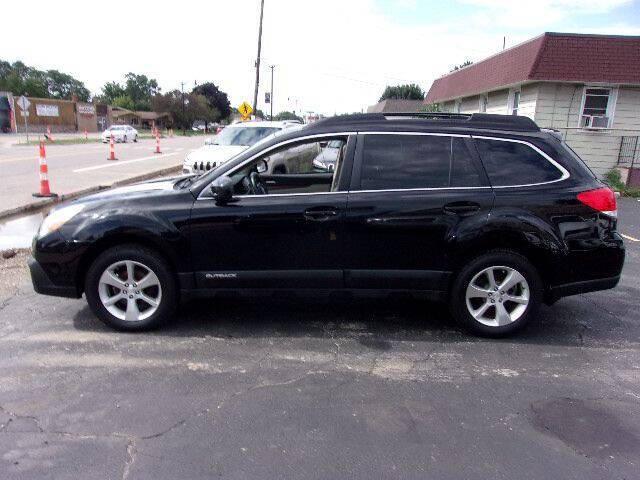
{"x":37,"y":205}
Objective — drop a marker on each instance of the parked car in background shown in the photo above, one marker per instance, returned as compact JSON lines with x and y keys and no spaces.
{"x":121,"y":133}
{"x":484,"y":212}
{"x":232,"y":140}
{"x":325,"y":161}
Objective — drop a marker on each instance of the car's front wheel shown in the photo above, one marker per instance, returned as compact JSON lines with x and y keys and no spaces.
{"x":135,"y":138}
{"x":131,"y":288}
{"x":496,"y":294}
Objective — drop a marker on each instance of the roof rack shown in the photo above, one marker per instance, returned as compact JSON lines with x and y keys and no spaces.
{"x":431,"y":115}
{"x":474,"y":120}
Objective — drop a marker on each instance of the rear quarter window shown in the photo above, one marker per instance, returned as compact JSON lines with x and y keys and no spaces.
{"x":511,"y":163}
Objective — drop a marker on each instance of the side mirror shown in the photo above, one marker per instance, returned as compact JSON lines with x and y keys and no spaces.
{"x":222,"y":190}
{"x":262,"y":166}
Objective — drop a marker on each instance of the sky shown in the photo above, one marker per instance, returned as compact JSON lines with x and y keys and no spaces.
{"x":330,"y":56}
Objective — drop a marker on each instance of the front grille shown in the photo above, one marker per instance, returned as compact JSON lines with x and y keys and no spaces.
{"x":203,"y":167}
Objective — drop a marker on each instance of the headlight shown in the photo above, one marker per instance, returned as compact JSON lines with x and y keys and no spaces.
{"x":57,"y":218}
{"x":319,"y":164}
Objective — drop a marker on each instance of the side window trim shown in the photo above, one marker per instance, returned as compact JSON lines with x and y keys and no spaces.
{"x":359,"y":156}
{"x":561,"y":169}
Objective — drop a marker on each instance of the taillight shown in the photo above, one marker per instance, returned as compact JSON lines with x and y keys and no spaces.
{"x":601,"y":199}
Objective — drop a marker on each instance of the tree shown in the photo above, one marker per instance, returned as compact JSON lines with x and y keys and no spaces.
{"x":139,"y":89}
{"x":216,"y":98}
{"x":286,"y":116}
{"x":24,"y":80}
{"x":111,"y":91}
{"x":196,"y":107}
{"x":403,"y":92}
{"x":64,"y":86}
{"x":466,"y":63}
{"x":123,"y":101}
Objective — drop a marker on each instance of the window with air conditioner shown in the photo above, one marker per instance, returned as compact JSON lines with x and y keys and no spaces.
{"x":597,"y":107}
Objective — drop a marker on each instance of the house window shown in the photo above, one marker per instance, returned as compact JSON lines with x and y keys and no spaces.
{"x":484,"y":100}
{"x":597,"y":107}
{"x":515,"y":102}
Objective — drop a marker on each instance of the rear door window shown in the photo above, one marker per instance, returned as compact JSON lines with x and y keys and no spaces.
{"x":391,"y":161}
{"x":511,"y":163}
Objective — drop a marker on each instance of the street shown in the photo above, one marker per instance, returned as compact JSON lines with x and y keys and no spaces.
{"x":77,"y":167}
{"x":280,"y":388}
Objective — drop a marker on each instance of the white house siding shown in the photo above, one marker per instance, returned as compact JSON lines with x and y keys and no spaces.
{"x":470,"y":105}
{"x":558,"y":106}
{"x":528,"y":100}
{"x":449,"y":107}
{"x":498,"y":102}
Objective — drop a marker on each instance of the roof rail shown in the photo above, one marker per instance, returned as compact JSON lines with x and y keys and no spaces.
{"x":473,"y":120}
{"x":431,"y":115}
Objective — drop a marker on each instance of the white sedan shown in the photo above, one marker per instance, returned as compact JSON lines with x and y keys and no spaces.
{"x":121,"y":133}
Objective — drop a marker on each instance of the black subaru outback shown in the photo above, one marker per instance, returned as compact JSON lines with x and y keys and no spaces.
{"x":488,"y":213}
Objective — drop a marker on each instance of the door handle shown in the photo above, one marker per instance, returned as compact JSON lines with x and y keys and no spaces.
{"x":461,"y":208}
{"x":320,"y":214}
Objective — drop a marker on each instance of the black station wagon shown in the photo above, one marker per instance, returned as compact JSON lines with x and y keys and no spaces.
{"x":486,"y":212}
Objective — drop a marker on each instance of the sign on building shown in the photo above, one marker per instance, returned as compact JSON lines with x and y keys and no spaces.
{"x":43,"y":110}
{"x":86,"y":109}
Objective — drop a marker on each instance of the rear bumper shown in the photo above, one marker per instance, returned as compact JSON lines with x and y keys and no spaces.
{"x":43,"y":284}
{"x":575,"y":288}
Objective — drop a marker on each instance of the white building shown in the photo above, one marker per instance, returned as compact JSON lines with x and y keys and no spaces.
{"x":586,"y":86}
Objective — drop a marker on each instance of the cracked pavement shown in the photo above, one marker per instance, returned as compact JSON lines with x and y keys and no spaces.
{"x":271,"y":388}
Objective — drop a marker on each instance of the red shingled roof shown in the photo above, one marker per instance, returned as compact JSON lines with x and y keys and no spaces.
{"x":562,"y":57}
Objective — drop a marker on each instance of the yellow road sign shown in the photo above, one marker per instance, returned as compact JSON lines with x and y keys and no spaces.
{"x":245,"y":109}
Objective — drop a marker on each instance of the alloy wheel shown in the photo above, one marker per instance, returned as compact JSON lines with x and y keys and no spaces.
{"x":497,"y":296}
{"x":130,"y":290}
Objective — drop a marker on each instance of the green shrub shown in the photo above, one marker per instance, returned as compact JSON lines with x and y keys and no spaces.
{"x":613,"y":178}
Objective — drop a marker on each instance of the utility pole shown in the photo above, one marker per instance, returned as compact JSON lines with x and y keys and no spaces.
{"x":255,"y":92}
{"x":184,"y":133}
{"x":271,"y":67}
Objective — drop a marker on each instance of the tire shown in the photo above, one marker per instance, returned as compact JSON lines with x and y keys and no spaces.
{"x":473,"y":290}
{"x":115,"y":299}
{"x":124,"y":139}
{"x":135,"y":139}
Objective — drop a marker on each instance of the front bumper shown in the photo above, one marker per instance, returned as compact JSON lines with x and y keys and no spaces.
{"x":43,"y":284}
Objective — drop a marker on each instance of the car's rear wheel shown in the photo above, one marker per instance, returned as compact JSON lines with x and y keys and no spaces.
{"x":496,"y":294}
{"x":135,"y":139}
{"x":124,"y":139}
{"x":131,"y":288}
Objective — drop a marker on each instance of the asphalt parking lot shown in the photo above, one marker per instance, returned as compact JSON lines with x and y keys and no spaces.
{"x":305,"y":389}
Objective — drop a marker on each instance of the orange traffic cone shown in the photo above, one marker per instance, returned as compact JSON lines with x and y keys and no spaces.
{"x":45,"y":191}
{"x":112,"y":150}
{"x":157,"y":142}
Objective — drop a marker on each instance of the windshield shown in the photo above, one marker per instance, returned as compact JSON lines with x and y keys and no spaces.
{"x":245,"y":136}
